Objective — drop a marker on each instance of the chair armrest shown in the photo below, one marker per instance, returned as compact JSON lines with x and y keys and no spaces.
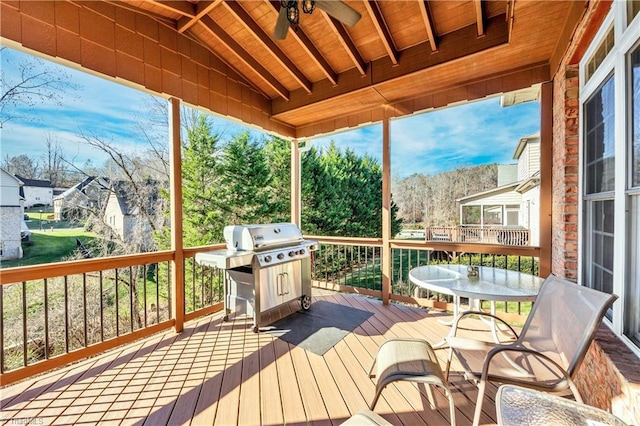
{"x":513,"y":348}
{"x":454,"y":330}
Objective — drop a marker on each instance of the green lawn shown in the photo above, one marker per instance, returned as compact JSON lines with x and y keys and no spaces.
{"x":49,"y":246}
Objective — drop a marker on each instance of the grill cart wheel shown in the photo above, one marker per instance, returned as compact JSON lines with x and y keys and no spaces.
{"x":305,"y":302}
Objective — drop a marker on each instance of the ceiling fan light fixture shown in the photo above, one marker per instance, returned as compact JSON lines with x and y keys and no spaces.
{"x":293,"y":14}
{"x":308,"y":6}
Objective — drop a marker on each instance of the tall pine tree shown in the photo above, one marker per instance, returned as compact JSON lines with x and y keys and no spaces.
{"x":203,"y":205}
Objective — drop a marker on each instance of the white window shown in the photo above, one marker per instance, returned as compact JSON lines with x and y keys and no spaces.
{"x":610,"y":167}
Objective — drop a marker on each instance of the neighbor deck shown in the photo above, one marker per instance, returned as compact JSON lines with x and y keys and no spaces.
{"x":222,"y":373}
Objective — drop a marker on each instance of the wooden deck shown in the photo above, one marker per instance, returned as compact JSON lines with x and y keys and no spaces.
{"x":222,"y":373}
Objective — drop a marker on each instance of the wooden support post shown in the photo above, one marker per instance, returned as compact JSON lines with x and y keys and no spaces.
{"x":386,"y":211}
{"x":175,"y":182}
{"x":295,"y":184}
{"x":546,"y":171}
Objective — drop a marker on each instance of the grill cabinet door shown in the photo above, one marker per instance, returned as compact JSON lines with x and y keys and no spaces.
{"x":279,"y":284}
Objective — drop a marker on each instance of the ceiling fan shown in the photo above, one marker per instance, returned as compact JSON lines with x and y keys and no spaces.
{"x":290,"y":13}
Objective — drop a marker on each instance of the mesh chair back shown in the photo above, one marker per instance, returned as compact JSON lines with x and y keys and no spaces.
{"x":564,"y":320}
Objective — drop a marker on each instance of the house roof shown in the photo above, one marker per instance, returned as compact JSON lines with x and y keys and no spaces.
{"x":39,"y":183}
{"x":82,"y":186}
{"x":523,"y":142}
{"x":489,"y":192}
{"x":401,"y":57}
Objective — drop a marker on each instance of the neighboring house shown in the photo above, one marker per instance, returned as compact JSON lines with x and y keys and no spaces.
{"x":123,"y":216}
{"x":88,"y":195}
{"x":11,"y":216}
{"x":514,"y":204}
{"x":36,"y":192}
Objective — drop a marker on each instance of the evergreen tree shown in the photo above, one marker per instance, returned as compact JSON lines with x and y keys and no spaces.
{"x":342,"y":194}
{"x":246,"y":181}
{"x":277,"y":153}
{"x":203,"y":206}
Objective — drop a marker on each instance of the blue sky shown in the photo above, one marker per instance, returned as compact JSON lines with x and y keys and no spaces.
{"x":475,"y":133}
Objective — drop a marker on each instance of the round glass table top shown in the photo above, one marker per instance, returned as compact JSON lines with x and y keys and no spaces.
{"x":490,"y":284}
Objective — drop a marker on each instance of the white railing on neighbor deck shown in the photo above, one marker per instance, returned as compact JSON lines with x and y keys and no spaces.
{"x":479,"y":234}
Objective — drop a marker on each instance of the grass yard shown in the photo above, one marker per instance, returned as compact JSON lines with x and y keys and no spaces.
{"x":49,"y":246}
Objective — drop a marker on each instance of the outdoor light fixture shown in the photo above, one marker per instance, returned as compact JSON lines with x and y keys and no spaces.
{"x":293,"y":12}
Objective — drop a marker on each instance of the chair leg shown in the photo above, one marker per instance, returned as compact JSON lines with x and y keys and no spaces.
{"x":375,"y":399}
{"x":478,"y":412}
{"x":448,"y":366}
{"x":452,"y":409}
{"x":373,"y":364}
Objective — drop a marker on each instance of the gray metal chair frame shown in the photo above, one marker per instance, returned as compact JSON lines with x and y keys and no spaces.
{"x":412,"y":360}
{"x":550,"y":348}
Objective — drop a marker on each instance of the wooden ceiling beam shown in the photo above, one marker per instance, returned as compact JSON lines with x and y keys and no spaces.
{"x":267,"y":42}
{"x":479,"y":17}
{"x":346,"y":42}
{"x":425,"y":11}
{"x":455,"y":45}
{"x":202,"y":8}
{"x":236,"y":49}
{"x":383,"y":31}
{"x":307,"y":45}
{"x":182,"y":7}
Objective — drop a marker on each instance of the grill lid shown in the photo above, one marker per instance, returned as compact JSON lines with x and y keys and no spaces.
{"x":261,"y":237}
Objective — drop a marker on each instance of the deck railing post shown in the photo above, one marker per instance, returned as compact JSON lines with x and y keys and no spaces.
{"x":177,"y":270}
{"x":386,"y":211}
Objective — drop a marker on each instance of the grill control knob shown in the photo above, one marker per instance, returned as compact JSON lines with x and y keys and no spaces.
{"x":280,"y":256}
{"x":301,"y":251}
{"x":292,"y":253}
{"x":267,"y":258}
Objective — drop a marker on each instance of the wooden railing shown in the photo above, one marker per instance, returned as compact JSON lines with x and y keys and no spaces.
{"x":479,"y":234}
{"x":57,"y":313}
{"x":354,"y":265}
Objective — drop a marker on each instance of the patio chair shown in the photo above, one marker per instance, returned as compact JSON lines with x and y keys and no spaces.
{"x":550,"y":348}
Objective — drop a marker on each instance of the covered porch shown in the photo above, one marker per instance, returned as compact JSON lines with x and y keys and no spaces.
{"x":180,"y":363}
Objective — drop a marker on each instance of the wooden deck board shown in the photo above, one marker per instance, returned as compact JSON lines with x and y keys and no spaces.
{"x":222,"y":373}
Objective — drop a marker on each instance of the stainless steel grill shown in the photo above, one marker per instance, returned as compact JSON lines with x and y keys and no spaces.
{"x":266,"y":266}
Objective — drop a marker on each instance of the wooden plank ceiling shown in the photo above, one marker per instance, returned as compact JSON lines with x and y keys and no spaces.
{"x":395,"y":55}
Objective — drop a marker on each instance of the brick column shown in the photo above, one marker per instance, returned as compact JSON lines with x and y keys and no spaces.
{"x":564,"y":256}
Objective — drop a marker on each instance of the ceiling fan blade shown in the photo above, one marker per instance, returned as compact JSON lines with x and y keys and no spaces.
{"x":339,"y":10}
{"x":282,"y":25}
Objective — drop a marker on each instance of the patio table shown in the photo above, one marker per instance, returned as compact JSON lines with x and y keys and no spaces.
{"x":520,"y":406}
{"x":492,"y":284}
